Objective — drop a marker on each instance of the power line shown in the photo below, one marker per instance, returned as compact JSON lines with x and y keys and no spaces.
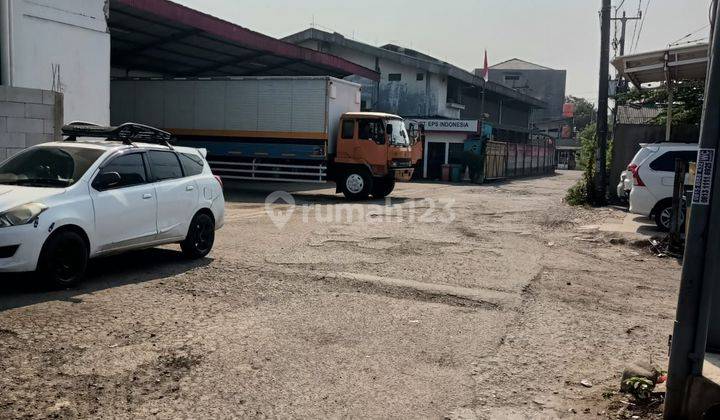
{"x":692,"y":41}
{"x":690,"y":34}
{"x":642,"y":24}
{"x":632,"y":38}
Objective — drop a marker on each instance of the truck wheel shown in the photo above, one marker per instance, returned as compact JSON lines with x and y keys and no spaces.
{"x":356,"y":184}
{"x":63,"y":260}
{"x":383,"y":187}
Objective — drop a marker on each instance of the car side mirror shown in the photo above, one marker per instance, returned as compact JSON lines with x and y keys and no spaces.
{"x":107,"y":180}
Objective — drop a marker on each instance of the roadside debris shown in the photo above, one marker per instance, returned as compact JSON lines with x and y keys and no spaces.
{"x":662,"y":248}
{"x":586,"y":383}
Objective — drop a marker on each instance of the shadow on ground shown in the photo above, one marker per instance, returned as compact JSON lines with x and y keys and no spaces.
{"x":19,"y":290}
{"x":254,"y":192}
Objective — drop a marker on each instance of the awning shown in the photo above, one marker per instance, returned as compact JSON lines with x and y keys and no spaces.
{"x":679,"y":63}
{"x":165,"y":38}
{"x":682,"y":63}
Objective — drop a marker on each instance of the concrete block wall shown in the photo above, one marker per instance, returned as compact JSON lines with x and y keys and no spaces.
{"x":28,"y":117}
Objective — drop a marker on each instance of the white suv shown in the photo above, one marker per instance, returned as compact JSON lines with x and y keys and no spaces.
{"x":62,"y":203}
{"x":653,"y":175}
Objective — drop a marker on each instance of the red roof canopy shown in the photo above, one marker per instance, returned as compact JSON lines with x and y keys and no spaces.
{"x":163,"y":37}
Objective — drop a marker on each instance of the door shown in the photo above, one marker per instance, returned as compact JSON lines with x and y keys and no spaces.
{"x":371,"y":146}
{"x":362,"y":141}
{"x":436,"y":158}
{"x":177,"y":195}
{"x":125,"y":212}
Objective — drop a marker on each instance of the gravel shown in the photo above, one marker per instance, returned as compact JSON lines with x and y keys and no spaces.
{"x":421,"y":310}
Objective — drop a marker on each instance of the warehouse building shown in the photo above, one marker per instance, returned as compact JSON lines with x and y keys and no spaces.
{"x":448,"y":99}
{"x":57,"y":58}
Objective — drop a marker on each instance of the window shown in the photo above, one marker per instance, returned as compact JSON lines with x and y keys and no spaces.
{"x":666,"y":162}
{"x":164,"y":165}
{"x":192,"y":164}
{"x":371,"y":130}
{"x":130,"y":167}
{"x":394,"y":77}
{"x":348,"y":129}
{"x":399,"y":134}
{"x":511,"y":77}
{"x":420,"y":77}
{"x":48,"y":166}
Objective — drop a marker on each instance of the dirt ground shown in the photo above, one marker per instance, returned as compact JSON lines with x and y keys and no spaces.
{"x":457,"y":301}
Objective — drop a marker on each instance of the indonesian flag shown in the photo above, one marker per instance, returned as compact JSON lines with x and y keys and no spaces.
{"x":486,"y":69}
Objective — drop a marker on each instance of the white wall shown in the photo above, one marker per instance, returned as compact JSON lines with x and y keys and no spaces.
{"x":409,"y":97}
{"x":62,"y":45}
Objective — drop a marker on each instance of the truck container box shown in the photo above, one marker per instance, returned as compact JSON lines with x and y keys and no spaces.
{"x":292,"y":116}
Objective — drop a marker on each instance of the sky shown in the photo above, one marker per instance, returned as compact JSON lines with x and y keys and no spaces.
{"x":561,"y":34}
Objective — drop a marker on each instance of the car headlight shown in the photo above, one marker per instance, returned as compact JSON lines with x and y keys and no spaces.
{"x":21,"y":215}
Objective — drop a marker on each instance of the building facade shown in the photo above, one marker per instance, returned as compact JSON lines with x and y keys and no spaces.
{"x":419,"y":87}
{"x":535,"y":80}
{"x":62,"y":47}
{"x":548,"y":85}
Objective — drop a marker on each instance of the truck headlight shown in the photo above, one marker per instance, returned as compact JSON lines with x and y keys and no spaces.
{"x":21,"y":215}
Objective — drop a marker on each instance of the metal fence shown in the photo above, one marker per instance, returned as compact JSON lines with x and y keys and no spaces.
{"x":508,"y":160}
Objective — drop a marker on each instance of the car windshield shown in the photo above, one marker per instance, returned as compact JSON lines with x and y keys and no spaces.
{"x":48,"y":166}
{"x":399,"y":134}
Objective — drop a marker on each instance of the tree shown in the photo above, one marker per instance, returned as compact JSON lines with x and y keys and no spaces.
{"x":688,"y":96}
{"x":585,"y":112}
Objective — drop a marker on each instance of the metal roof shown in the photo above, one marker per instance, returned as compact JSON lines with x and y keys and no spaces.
{"x":166,"y":38}
{"x":372,"y":115}
{"x":516,"y":64}
{"x":631,"y":115}
{"x":682,"y":63}
{"x":414,"y":59}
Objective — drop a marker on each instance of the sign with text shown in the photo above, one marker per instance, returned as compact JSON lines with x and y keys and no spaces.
{"x":703,"y":177}
{"x":467,"y":126}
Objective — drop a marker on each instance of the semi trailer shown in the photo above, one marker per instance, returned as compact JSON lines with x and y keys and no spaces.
{"x":297,"y":129}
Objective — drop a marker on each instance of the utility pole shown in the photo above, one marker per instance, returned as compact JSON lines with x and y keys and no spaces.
{"x":623,"y":21}
{"x":602,"y":120}
{"x":623,"y":26}
{"x":701,"y":267}
{"x":621,"y":84}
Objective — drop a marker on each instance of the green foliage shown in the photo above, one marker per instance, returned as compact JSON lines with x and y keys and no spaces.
{"x":582,"y":192}
{"x":688,"y":96}
{"x":585,"y":112}
{"x":578,"y":194}
{"x":641,"y":388}
{"x":588,"y":146}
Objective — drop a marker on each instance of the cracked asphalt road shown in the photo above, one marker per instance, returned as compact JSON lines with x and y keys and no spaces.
{"x":458,"y":301}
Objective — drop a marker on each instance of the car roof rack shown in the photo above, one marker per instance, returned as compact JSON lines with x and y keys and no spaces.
{"x":127,"y":133}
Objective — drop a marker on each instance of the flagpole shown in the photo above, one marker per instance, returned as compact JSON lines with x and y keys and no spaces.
{"x":486,"y":77}
{"x":482,"y":111}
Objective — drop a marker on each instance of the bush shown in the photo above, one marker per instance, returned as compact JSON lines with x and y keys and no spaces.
{"x":577,"y":194}
{"x":583,"y":192}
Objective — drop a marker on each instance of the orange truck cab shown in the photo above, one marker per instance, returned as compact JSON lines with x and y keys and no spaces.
{"x":372,"y":151}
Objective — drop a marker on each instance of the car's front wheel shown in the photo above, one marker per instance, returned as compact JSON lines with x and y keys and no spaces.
{"x":63,"y":260}
{"x":200,"y":237}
